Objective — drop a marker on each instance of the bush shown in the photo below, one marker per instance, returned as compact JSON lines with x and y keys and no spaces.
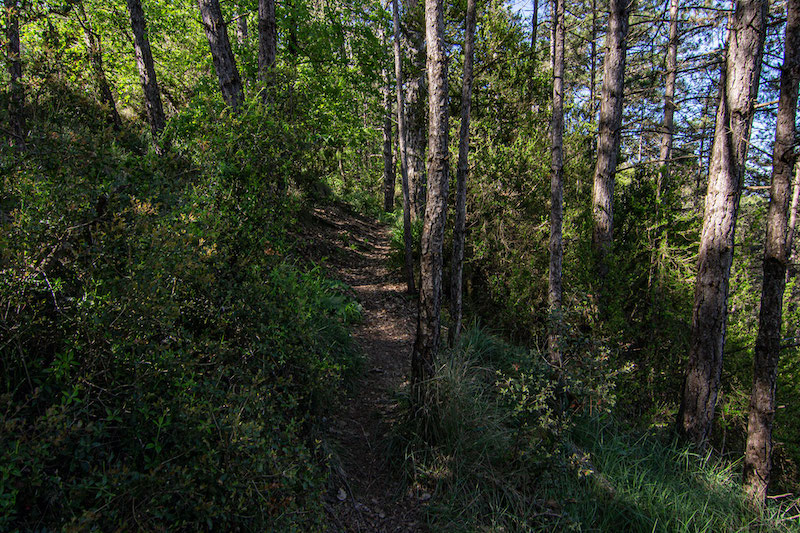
{"x":163,"y":358}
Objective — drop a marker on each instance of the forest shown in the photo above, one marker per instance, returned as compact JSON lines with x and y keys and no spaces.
{"x":402,"y":265}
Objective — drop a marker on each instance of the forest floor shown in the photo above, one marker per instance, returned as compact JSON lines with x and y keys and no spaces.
{"x":367,"y":492}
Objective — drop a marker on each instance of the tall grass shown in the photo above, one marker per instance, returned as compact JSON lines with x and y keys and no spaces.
{"x":495,"y":460}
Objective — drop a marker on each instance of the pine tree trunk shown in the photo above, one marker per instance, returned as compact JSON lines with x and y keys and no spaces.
{"x":657,"y":239}
{"x":267,"y":40}
{"x":401,"y":143}
{"x":426,"y":344}
{"x":241,"y":28}
{"x":147,"y":71}
{"x":556,"y":188}
{"x":534,"y":29}
{"x":230,"y":83}
{"x":593,"y":61}
{"x":669,"y":99}
{"x":457,"y":272}
{"x":739,"y":91}
{"x":415,"y":100}
{"x":758,"y":454}
{"x":793,"y":222}
{"x":389,"y":176}
{"x":16,"y":101}
{"x":94,"y":49}
{"x":609,"y":130}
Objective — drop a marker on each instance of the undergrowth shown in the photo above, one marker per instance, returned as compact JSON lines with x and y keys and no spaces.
{"x":163,"y":358}
{"x":498,"y":450}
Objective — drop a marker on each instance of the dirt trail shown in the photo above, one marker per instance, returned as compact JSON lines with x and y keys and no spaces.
{"x":367,"y":493}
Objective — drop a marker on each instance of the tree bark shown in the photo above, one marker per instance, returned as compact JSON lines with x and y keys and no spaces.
{"x":668,"y":125}
{"x":267,"y":40}
{"x":657,"y":238}
{"x":94,"y":49}
{"x":230,"y":83}
{"x":556,"y":188}
{"x":457,"y":272}
{"x":241,"y":28}
{"x":593,"y":61}
{"x":426,"y":344}
{"x":16,"y":101}
{"x":758,"y":454}
{"x":739,"y":90}
{"x":609,"y":130}
{"x":793,"y":222}
{"x":534,"y":29}
{"x":415,"y":100}
{"x":389,"y":176}
{"x":401,"y":143}
{"x":147,"y":72}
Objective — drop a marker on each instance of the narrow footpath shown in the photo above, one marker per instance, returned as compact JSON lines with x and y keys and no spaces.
{"x":367,"y":493}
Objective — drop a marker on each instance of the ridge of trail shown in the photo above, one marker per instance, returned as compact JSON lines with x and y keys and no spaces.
{"x":367,"y":494}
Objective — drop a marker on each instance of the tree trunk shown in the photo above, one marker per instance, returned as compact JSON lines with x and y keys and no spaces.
{"x":793,"y":223}
{"x":388,"y":154}
{"x":739,"y":91}
{"x":94,"y":49}
{"x":415,"y":108}
{"x":534,"y":29}
{"x":241,"y":28}
{"x":593,"y":61}
{"x":147,"y":72}
{"x":556,"y":188}
{"x":230,"y":83}
{"x":669,"y":99}
{"x":267,"y":40}
{"x":16,"y":101}
{"x":609,"y":130}
{"x":401,"y":143}
{"x":426,"y":344}
{"x":656,"y":239}
{"x":758,"y":454}
{"x":457,"y":272}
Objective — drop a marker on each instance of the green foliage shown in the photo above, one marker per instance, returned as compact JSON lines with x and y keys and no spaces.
{"x":496,"y":455}
{"x":492,"y":434}
{"x":163,"y":357}
{"x":397,"y":244}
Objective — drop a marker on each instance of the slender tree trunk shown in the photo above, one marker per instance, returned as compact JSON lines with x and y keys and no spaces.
{"x":426,"y":344}
{"x":609,"y":130}
{"x":457,"y":273}
{"x":147,"y":71}
{"x":241,"y":28}
{"x":702,"y":150}
{"x":668,"y":125}
{"x":16,"y":101}
{"x":552,"y":4}
{"x":593,"y":61}
{"x":415,"y":100}
{"x":758,"y":454}
{"x":793,"y":223}
{"x":267,"y":40}
{"x":94,"y":49}
{"x":401,"y":144}
{"x":726,"y":172}
{"x":556,"y":188}
{"x":534,"y":29}
{"x":230,"y":84}
{"x":388,"y":154}
{"x":667,"y":128}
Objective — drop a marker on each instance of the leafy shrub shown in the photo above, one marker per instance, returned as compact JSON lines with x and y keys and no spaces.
{"x":163,"y":358}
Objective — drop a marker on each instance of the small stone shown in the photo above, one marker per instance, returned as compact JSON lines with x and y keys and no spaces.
{"x":342,"y":495}
{"x":425,"y":497}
